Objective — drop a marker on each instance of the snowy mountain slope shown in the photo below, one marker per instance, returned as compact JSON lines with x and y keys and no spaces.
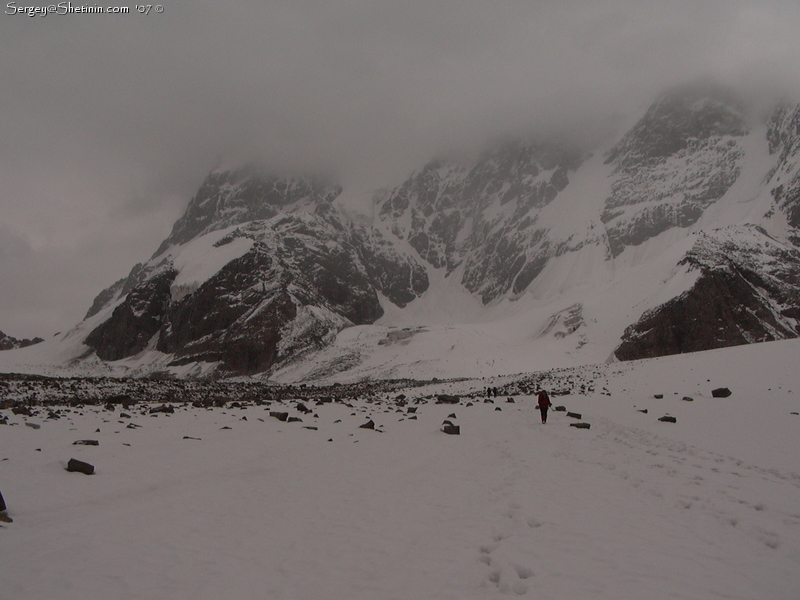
{"x":264,"y":290}
{"x":631,"y":508}
{"x":679,"y":235}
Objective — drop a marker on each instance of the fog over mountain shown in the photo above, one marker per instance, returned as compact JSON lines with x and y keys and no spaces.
{"x":110,"y":122}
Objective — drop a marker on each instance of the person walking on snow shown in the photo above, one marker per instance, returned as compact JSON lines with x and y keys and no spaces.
{"x":544,"y":404}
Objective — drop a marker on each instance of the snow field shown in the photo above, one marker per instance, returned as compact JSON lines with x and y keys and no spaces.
{"x":631,"y":508}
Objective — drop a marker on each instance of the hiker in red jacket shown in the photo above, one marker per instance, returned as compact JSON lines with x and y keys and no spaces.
{"x":544,"y":404}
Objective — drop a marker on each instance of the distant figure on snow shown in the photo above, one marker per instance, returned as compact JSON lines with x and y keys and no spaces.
{"x":544,"y":404}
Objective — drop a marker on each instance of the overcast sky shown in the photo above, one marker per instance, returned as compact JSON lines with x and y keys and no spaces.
{"x":110,"y":122}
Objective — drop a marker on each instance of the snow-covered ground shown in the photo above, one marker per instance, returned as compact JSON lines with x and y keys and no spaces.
{"x":707,"y":507}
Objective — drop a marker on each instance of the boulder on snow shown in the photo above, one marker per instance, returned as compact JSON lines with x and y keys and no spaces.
{"x":560,"y":409}
{"x":86,"y":443}
{"x":446,"y":399}
{"x":79,"y":466}
{"x":658,"y":396}
{"x":722,"y":392}
{"x":574,"y":415}
{"x":33,"y":425}
{"x":668,"y":419}
{"x":688,"y":399}
{"x":368,"y":425}
{"x":580,"y":425}
{"x":164,"y":408}
{"x":450,"y":429}
{"x":2,"y":503}
{"x":281,"y":416}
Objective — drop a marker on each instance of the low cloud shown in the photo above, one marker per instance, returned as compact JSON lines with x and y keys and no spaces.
{"x":111,"y":121}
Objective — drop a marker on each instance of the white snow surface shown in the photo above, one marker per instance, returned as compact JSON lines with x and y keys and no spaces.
{"x":199,"y":260}
{"x":707,"y":507}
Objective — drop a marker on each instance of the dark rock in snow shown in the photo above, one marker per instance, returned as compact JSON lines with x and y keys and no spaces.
{"x":2,"y":503}
{"x":580,"y":425}
{"x":722,"y":392}
{"x":446,"y":399}
{"x":560,"y":408}
{"x":688,"y":399}
{"x":574,"y":415}
{"x":79,"y":466}
{"x":164,"y":408}
{"x":668,"y":419}
{"x":33,"y":425}
{"x":658,"y":396}
{"x":86,"y":443}
{"x":747,"y":290}
{"x":451,"y":429}
{"x":368,"y":425}
{"x":281,"y":416}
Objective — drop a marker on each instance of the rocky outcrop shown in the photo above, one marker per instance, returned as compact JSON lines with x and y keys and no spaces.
{"x":482,"y":216}
{"x":784,"y":142}
{"x":683,"y":155}
{"x":747,"y":290}
{"x":8,"y":342}
{"x":233,"y":197}
{"x":137,"y":319}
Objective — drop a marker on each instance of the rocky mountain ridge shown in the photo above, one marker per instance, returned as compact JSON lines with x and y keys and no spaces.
{"x":8,"y":342}
{"x":262,"y":271}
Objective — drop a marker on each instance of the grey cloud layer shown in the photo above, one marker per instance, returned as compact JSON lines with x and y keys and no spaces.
{"x":110,"y":121}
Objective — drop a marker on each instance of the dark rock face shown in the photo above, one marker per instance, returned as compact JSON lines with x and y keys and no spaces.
{"x":748,"y":290}
{"x":682,"y":156}
{"x":136,"y":320}
{"x":784,"y":141}
{"x":483,"y":216}
{"x":400,"y":278}
{"x":232,"y":197}
{"x":8,"y":342}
